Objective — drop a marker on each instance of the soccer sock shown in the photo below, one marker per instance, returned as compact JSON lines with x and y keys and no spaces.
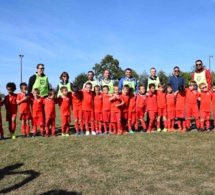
{"x":13,"y":127}
{"x":197,"y":123}
{"x":81,"y":125}
{"x":119,"y":127}
{"x":188,"y":123}
{"x":47,"y":129}
{"x":202,"y":124}
{"x":100,"y":127}
{"x":129,"y":125}
{"x":136,"y":126}
{"x":23,"y":129}
{"x":96,"y":126}
{"x":114,"y":127}
{"x":207,"y":124}
{"x":150,"y":125}
{"x":105,"y":127}
{"x":143,"y":124}
{"x":173,"y":123}
{"x":76,"y":126}
{"x":179,"y":123}
{"x":110,"y":127}
{"x":53,"y":129}
{"x":87,"y":126}
{"x":28,"y":129}
{"x":92,"y":126}
{"x":158,"y":124}
{"x":35,"y":130}
{"x":67,"y":128}
{"x":184,"y":123}
{"x":41,"y":130}
{"x":165,"y":124}
{"x":169,"y":124}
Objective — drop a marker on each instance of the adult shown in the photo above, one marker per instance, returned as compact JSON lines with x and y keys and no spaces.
{"x":176,"y":80}
{"x":201,"y":75}
{"x":39,"y":80}
{"x":91,"y":80}
{"x":152,"y":79}
{"x":64,"y":77}
{"x":128,"y":79}
{"x":107,"y":81}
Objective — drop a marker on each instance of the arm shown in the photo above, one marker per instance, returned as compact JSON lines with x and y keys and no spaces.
{"x":136,"y":86}
{"x":146,"y":84}
{"x":120,"y":84}
{"x":208,"y":78}
{"x":31,"y":82}
{"x":22,"y":100}
{"x":193,"y":76}
{"x":57,"y":89}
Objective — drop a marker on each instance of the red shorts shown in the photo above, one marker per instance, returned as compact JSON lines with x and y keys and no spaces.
{"x":24,"y":116}
{"x":192,"y":111}
{"x":38,"y":121}
{"x":140,"y":113}
{"x":9,"y":116}
{"x":124,"y":115}
{"x":88,"y":116}
{"x":132,"y":117}
{"x":106,"y":116}
{"x":65,"y":119}
{"x":205,"y":115}
{"x":115,"y":117}
{"x":77,"y":114}
{"x":98,"y":116}
{"x":152,"y":115}
{"x":162,"y":112}
{"x":179,"y":114}
{"x":50,"y":121}
{"x":171,"y":114}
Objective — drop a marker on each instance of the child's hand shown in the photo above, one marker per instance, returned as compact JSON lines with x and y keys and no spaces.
{"x":117,"y":105}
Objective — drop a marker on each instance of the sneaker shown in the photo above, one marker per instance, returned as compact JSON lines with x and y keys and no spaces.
{"x":13,"y":136}
{"x":159,"y":130}
{"x":165,"y":130}
{"x":105,"y":133}
{"x":66,"y":134}
{"x":208,"y":130}
{"x":42,"y":135}
{"x":87,"y":133}
{"x":23,"y":136}
{"x":77,"y":133}
{"x":2,"y":137}
{"x":28,"y":136}
{"x":93,"y":133}
{"x":63,"y":134}
{"x":34,"y":135}
{"x":82,"y":133}
{"x":148,"y":131}
{"x":130,"y":131}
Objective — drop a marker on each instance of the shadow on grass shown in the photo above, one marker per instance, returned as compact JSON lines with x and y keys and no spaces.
{"x":60,"y":192}
{"x":9,"y":170}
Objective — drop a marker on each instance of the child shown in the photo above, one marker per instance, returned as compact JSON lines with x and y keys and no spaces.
{"x":1,"y":128}
{"x":77,"y":97}
{"x":140,"y":107}
{"x":64,"y":102}
{"x":213,"y":97}
{"x":205,"y":106}
{"x":116,"y":108}
{"x":152,"y":107}
{"x":50,"y":113}
{"x":192,"y":96}
{"x":180,"y":108}
{"x":132,"y":111}
{"x":37,"y":112}
{"x":24,"y":102}
{"x":98,"y":110}
{"x":170,"y":99}
{"x":125,"y":108}
{"x":106,"y":109}
{"x":162,"y":111}
{"x":11,"y":108}
{"x":87,"y":107}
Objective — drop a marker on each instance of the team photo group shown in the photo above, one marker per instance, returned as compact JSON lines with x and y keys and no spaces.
{"x":110,"y":107}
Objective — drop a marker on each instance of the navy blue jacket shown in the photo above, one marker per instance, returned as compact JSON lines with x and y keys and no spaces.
{"x":175,"y":82}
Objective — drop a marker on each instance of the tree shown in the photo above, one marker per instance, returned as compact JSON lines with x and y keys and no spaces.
{"x":187,"y":77}
{"x":142,"y":78}
{"x":80,"y":80}
{"x":161,"y":74}
{"x":213,"y":77}
{"x":108,"y":63}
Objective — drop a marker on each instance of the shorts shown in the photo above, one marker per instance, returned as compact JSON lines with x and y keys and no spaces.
{"x":24,"y":116}
{"x":152,"y":115}
{"x":98,"y":116}
{"x":171,"y":114}
{"x":77,"y":114}
{"x":192,"y":111}
{"x":162,"y":112}
{"x":132,"y":117}
{"x":38,"y":121}
{"x":88,"y":116}
{"x":10,"y":116}
{"x":179,"y":114}
{"x":205,"y":115}
{"x":140,"y":113}
{"x":115,"y":117}
{"x":124,"y":115}
{"x":106,"y":116}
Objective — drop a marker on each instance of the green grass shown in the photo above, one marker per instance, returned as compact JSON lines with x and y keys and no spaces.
{"x":158,"y":163}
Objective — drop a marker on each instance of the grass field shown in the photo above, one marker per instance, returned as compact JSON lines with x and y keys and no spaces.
{"x":157,"y":163}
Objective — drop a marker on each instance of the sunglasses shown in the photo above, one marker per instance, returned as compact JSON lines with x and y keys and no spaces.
{"x":64,"y":76}
{"x":198,"y":64}
{"x":204,"y":87}
{"x":177,"y":70}
{"x":41,"y":68}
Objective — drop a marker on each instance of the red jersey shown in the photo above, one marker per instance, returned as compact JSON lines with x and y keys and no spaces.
{"x":126,"y":100}
{"x":77,"y":100}
{"x":213,"y":98}
{"x":116,"y":101}
{"x":49,"y":107}
{"x":205,"y":104}
{"x":141,"y":101}
{"x":37,"y":107}
{"x":106,"y":105}
{"x":170,"y":99}
{"x":64,"y":105}
{"x":180,"y":101}
{"x":152,"y":102}
{"x":24,"y":107}
{"x":132,"y":104}
{"x":97,"y":103}
{"x":10,"y":103}
{"x":161,"y":99}
{"x":191,"y":97}
{"x":87,"y":103}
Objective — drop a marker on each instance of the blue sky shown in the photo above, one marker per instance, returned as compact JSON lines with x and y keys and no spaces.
{"x":73,"y":35}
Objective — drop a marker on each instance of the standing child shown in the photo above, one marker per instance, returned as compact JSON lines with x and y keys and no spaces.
{"x":192,"y":96}
{"x":1,"y":128}
{"x":106,"y":107}
{"x":116,"y":108}
{"x":152,"y":107}
{"x":24,"y":102}
{"x":98,"y":110}
{"x":37,"y":112}
{"x":77,"y":97}
{"x":141,"y":106}
{"x":11,"y":108}
{"x":213,"y":97}
{"x":50,"y":113}
{"x":132,"y":111}
{"x":87,"y":107}
{"x":64,"y":102}
{"x":170,"y":98}
{"x":205,"y":107}
{"x":162,"y":111}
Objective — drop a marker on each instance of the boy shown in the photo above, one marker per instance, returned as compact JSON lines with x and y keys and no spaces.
{"x":77,"y":97}
{"x":24,"y":102}
{"x":205,"y":106}
{"x":11,"y":108}
{"x":152,"y":107}
{"x":132,"y":111}
{"x":37,"y":112}
{"x":170,"y":98}
{"x":1,"y":128}
{"x":98,"y":110}
{"x":116,"y":108}
{"x":87,"y":107}
{"x":213,"y":98}
{"x":64,"y":102}
{"x":49,"y":104}
{"x":140,"y":107}
{"x":162,"y":111}
{"x":106,"y":109}
{"x":192,"y":96}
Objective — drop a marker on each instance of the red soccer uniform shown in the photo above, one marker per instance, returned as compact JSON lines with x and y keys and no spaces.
{"x":152,"y":102}
{"x":180,"y":105}
{"x":77,"y":105}
{"x":191,"y":100}
{"x":170,"y":98}
{"x":213,"y":98}
{"x":205,"y":105}
{"x":11,"y":106}
{"x":116,"y":111}
{"x":50,"y":111}
{"x":125,"y":107}
{"x":24,"y":107}
{"x":161,"y":100}
{"x":37,"y":107}
{"x":106,"y":107}
{"x":87,"y":106}
{"x":132,"y":109}
{"x":140,"y":105}
{"x":98,"y":107}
